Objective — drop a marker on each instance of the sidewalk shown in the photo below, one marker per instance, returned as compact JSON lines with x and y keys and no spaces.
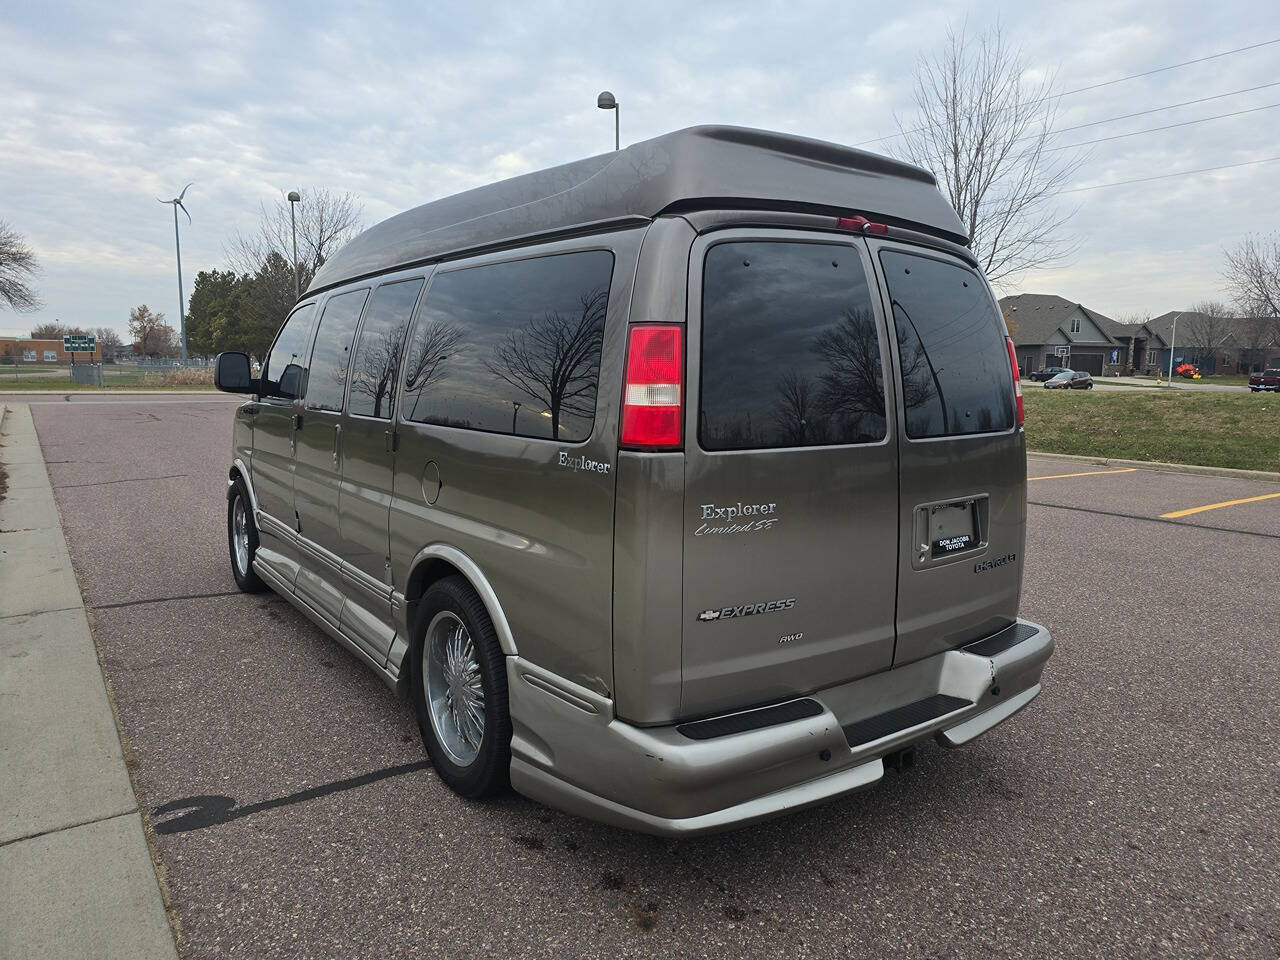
{"x":76,"y":878}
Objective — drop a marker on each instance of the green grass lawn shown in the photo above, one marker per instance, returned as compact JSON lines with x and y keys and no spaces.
{"x":1240,"y":430}
{"x":58,"y":380}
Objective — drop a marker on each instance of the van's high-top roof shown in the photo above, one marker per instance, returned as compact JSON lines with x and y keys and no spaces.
{"x":695,"y":168}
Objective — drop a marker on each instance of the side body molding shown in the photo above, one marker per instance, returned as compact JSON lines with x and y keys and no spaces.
{"x":479,"y":582}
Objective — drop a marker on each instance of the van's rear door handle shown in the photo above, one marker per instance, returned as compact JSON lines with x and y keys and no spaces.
{"x":337,"y":442}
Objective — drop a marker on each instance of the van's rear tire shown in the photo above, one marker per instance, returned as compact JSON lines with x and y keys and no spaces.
{"x":242,"y":539}
{"x":457,"y":670}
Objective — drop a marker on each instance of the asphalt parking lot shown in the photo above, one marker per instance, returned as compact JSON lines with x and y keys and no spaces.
{"x":1132,"y":811}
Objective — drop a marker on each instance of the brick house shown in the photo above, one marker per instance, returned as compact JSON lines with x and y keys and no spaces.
{"x":23,"y":351}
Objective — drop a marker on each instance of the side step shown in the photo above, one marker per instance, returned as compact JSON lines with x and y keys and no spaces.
{"x":902,"y":718}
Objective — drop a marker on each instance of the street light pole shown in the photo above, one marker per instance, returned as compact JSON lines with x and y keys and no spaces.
{"x":294,"y":197}
{"x":1173,"y":339}
{"x":607,"y":101}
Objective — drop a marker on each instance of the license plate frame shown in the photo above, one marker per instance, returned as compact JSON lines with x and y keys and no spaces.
{"x":953,"y":528}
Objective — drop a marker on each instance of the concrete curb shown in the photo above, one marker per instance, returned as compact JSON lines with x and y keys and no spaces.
{"x":1265,"y":476}
{"x":76,"y":874}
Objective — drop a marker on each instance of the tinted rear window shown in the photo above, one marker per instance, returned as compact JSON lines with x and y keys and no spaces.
{"x":955,"y":364}
{"x":511,"y":347}
{"x":790,"y":348}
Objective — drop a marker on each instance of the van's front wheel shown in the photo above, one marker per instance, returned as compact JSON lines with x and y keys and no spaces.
{"x":242,"y":538}
{"x":459,"y":688}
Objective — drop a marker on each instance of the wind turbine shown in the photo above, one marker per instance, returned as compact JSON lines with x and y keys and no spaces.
{"x":182,"y":300}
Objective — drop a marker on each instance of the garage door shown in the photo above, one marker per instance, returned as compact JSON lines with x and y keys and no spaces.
{"x":1090,"y":362}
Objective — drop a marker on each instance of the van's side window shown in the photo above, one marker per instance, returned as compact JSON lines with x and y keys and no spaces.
{"x":327,"y":379}
{"x":375,"y":368}
{"x":511,"y":347}
{"x":790,"y":348}
{"x":284,"y":369}
{"x":955,"y":365}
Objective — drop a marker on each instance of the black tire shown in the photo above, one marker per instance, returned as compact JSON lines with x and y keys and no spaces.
{"x":246,"y":579}
{"x":489,"y":772}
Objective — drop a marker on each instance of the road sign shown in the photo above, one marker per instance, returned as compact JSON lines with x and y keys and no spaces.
{"x":80,"y":343}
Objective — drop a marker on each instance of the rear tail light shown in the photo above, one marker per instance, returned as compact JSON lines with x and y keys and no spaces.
{"x":1017,"y":378}
{"x":652,"y":399}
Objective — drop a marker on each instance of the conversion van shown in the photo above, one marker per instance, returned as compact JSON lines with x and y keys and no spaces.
{"x":678,"y":487}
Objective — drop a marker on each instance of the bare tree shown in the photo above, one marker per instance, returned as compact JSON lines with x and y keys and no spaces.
{"x":1208,"y":327}
{"x":325,"y":221}
{"x":555,"y":359}
{"x":1259,"y":338}
{"x":794,"y":409}
{"x":985,"y":132}
{"x":1252,"y":275}
{"x":18,"y":269}
{"x":109,"y":341}
{"x":50,"y":330}
{"x":154,"y":337}
{"x":434,"y":341}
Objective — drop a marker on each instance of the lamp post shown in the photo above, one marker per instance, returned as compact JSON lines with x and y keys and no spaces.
{"x":1173,"y":339}
{"x":515,"y":408}
{"x":294,"y":197}
{"x":607,"y":101}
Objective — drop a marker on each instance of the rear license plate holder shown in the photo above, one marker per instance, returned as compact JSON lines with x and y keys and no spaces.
{"x":953,"y":528}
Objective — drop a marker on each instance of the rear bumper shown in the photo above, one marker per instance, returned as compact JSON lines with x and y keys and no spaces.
{"x":569,"y":751}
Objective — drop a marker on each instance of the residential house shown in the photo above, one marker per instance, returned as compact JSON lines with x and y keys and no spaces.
{"x":1218,"y":344}
{"x":1051,"y":331}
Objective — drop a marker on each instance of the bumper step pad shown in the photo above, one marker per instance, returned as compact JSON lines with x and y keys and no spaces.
{"x":1010,"y":636}
{"x":901,"y":718}
{"x":750,"y":720}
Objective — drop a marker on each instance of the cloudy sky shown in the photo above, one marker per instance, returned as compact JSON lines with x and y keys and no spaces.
{"x":108,"y":106}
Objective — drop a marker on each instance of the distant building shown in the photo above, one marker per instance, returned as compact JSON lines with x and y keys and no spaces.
{"x":23,"y":351}
{"x":1221,"y":344}
{"x":1051,"y":331}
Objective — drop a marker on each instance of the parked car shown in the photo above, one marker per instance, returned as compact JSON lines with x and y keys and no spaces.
{"x":557,"y":458}
{"x":1070,"y":380}
{"x":1266,"y":380}
{"x":1048,"y":373}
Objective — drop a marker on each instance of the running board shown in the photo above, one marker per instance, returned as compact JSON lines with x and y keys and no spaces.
{"x":893,"y":721}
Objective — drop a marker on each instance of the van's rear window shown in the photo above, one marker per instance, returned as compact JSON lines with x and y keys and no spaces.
{"x":955,"y":365}
{"x":790,"y":348}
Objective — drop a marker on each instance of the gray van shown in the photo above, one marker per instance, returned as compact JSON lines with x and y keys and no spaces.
{"x":678,"y":487}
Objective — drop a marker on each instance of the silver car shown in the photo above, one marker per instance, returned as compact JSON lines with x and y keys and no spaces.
{"x":678,"y":487}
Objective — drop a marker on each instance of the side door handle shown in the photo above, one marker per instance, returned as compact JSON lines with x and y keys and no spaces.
{"x":337,"y":442}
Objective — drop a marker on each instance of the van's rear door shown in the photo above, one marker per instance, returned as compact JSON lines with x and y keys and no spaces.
{"x":962,"y":456}
{"x":791,"y":470}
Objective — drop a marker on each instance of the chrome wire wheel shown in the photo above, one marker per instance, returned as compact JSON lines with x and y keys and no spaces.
{"x":240,"y":536}
{"x":454,"y":692}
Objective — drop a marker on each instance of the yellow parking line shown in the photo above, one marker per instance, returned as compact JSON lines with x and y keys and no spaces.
{"x":1216,"y":506}
{"x":1086,"y":473}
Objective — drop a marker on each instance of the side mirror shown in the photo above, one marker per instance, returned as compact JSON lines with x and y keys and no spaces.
{"x":232,"y":373}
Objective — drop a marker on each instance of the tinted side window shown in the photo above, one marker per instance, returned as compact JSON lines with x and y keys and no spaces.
{"x":375,"y":368}
{"x":955,"y":365}
{"x":327,"y":379}
{"x":790,"y":348}
{"x":511,"y":347}
{"x":284,"y":369}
